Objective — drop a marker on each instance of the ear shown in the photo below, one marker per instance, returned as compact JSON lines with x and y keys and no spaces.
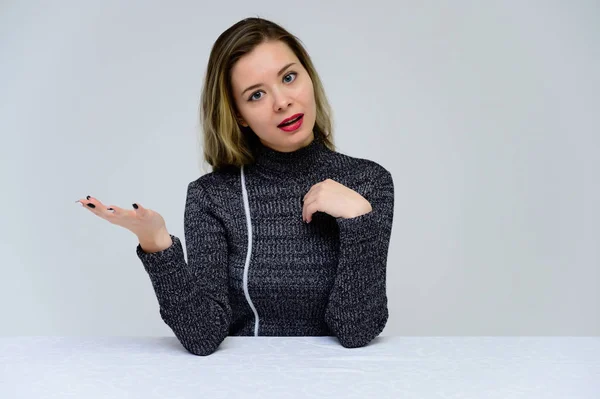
{"x":241,"y":120}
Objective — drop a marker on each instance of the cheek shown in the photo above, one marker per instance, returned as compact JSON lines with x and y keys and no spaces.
{"x":306,"y":94}
{"x":260,"y":116}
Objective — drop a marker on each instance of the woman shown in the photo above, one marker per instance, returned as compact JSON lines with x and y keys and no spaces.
{"x":286,"y":236}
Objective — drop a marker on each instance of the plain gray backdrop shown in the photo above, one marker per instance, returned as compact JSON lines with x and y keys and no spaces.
{"x":486,"y":113}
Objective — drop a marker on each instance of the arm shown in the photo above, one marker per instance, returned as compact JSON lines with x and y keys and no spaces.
{"x":357,"y":309}
{"x":193,"y":297}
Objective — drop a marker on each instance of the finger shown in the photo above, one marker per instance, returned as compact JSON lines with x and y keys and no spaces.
{"x":305,"y":212}
{"x":115,"y":210}
{"x":139,"y":209}
{"x":312,"y":189}
{"x":86,"y":203}
{"x":96,"y":207}
{"x":305,"y":201}
{"x":310,"y":207}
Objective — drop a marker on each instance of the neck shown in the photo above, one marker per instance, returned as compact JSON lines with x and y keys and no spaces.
{"x":292,"y":164}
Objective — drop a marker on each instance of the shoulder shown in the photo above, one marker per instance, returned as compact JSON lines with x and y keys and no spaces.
{"x":362,"y":168}
{"x":216,"y":187}
{"x":215,"y":180}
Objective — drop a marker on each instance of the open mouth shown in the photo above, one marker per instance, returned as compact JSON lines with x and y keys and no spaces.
{"x":292,"y":121}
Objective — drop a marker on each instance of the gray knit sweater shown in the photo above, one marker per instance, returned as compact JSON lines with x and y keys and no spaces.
{"x":255,"y":268}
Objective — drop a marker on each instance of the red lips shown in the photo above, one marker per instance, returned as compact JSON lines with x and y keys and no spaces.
{"x":289,"y":119}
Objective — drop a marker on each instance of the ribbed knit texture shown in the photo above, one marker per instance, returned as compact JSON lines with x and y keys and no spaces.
{"x":327,"y":277}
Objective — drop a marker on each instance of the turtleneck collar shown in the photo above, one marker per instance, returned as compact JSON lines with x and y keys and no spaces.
{"x":292,"y":164}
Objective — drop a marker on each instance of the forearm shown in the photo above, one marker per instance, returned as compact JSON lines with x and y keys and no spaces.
{"x":194,"y":305}
{"x":357,"y":310}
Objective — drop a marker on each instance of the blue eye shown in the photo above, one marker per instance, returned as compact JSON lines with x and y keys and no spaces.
{"x":252,"y":98}
{"x":290,"y":74}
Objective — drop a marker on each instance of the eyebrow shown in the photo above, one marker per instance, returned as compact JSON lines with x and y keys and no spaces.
{"x":282,"y":70}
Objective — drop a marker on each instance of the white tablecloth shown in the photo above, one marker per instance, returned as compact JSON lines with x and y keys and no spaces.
{"x":301,"y":367}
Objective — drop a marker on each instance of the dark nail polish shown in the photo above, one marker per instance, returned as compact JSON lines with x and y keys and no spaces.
{"x":88,"y":197}
{"x":135,"y":206}
{"x":91,"y":205}
{"x":110,"y":209}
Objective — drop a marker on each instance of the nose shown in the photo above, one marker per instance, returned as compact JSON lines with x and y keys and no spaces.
{"x":284,"y":106}
{"x":282,"y":101}
{"x":281,"y":105}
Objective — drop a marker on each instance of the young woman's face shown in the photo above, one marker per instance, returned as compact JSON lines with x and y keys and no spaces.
{"x":278,"y":96}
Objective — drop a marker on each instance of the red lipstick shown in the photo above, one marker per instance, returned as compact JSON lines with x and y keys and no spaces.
{"x":291,"y":118}
{"x":294,"y":126}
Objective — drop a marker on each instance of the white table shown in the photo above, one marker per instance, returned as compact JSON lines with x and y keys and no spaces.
{"x":301,"y":367}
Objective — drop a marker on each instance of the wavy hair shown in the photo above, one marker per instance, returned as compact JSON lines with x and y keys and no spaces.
{"x":227,"y":144}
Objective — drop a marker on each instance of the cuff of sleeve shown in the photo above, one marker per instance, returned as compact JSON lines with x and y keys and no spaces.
{"x":162,"y":262}
{"x":359,"y":228}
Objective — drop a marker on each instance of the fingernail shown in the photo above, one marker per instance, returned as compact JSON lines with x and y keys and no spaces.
{"x":110,"y":209}
{"x":91,"y":205}
{"x":135,"y":206}
{"x":88,"y":197}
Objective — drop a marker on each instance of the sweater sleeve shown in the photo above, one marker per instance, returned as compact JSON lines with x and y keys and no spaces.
{"x":193,"y":297}
{"x":357,"y":310}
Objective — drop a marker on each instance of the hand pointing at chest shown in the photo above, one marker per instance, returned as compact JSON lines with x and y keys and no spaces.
{"x":335,"y":199}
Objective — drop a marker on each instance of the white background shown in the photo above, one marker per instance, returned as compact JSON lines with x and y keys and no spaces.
{"x":485,"y":113}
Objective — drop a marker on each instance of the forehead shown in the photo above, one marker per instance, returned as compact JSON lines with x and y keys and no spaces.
{"x":262,"y":63}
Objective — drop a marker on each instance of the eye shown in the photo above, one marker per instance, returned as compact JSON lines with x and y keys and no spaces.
{"x":252,"y":98}
{"x":290,"y":74}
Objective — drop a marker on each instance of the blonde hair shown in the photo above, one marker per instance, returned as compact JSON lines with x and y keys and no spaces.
{"x":226,"y":143}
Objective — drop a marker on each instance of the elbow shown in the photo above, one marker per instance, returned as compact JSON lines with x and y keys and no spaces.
{"x":200,"y":349}
{"x":353,"y":333}
{"x":358,"y":338}
{"x":203,"y":343}
{"x":197,"y":336}
{"x":353,"y":342}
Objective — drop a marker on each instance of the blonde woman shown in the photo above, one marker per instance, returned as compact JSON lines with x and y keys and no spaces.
{"x":285,"y":236}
